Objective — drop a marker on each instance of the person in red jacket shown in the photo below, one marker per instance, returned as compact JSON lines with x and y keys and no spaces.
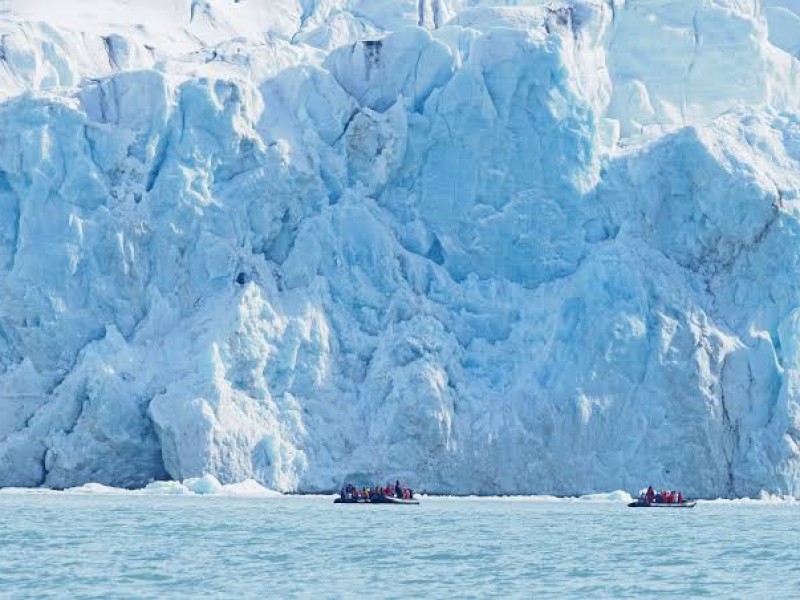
{"x":680,"y":497}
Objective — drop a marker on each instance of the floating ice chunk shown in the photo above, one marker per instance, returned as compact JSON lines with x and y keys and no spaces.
{"x":249,"y":488}
{"x":96,"y":488}
{"x":207,"y":484}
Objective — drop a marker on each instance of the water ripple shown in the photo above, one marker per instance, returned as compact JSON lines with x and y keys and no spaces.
{"x":172,"y":546}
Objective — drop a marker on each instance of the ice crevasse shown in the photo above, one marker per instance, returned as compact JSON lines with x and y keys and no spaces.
{"x":484,"y":247}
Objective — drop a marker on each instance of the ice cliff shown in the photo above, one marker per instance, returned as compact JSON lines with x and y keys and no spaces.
{"x":495,"y":247}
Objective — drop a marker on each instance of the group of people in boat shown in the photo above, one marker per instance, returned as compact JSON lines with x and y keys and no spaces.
{"x":351,"y":492}
{"x":662,"y":497}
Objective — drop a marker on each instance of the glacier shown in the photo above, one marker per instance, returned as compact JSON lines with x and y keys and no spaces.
{"x":494,"y":247}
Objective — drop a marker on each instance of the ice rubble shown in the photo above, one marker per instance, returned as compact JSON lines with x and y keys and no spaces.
{"x":487,"y":247}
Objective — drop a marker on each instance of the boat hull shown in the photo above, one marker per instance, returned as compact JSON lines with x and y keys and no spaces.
{"x":687,"y":504}
{"x":391,"y":500}
{"x":378,"y":500}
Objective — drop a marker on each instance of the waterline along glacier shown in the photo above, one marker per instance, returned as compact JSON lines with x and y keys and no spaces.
{"x":499,"y":247}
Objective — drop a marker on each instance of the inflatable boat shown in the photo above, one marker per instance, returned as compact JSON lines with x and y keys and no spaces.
{"x":375,"y":500}
{"x":684,"y":504}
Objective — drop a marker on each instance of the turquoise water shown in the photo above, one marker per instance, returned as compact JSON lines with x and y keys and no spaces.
{"x":137,"y":546}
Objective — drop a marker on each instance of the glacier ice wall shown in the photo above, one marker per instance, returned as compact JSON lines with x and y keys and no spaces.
{"x":496,"y":247}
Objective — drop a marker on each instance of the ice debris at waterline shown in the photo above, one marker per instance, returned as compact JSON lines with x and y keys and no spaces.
{"x":532,"y":248}
{"x":207,"y":485}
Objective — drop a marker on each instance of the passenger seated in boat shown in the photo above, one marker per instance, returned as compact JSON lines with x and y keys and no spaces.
{"x":662,"y":497}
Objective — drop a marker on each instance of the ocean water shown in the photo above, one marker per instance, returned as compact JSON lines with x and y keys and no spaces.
{"x":122,"y":545}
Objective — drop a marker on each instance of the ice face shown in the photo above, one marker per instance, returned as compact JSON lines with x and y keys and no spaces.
{"x":498,"y":247}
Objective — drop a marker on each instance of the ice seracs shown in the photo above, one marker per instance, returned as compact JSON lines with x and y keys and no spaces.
{"x":520,"y":248}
